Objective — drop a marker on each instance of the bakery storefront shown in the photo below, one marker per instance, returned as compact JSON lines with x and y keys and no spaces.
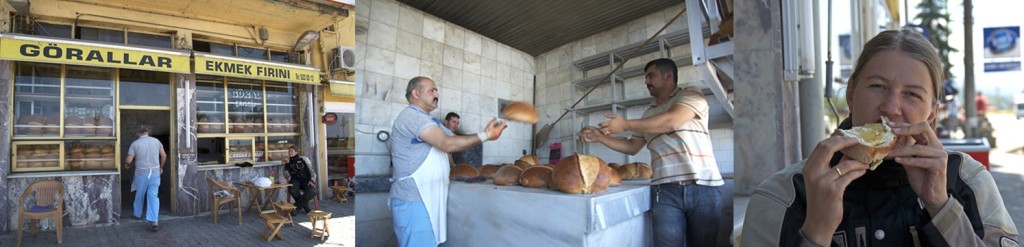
{"x":75,"y":105}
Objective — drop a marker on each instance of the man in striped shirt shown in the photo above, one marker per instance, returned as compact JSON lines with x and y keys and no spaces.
{"x":685,"y":188}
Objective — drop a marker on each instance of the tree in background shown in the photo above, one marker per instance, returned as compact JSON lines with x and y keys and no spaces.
{"x":935,"y":18}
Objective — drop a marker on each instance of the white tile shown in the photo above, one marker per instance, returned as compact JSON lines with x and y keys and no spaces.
{"x":454,"y":35}
{"x":397,"y":92}
{"x":488,"y":48}
{"x":471,"y":62}
{"x":382,"y":35}
{"x":451,"y":99}
{"x":385,"y":12}
{"x":380,"y":60}
{"x":409,"y":44}
{"x":452,"y":78}
{"x":433,"y":28}
{"x":471,"y":82}
{"x":406,"y":67}
{"x":363,"y":10}
{"x":432,"y":70}
{"x":488,"y":67}
{"x":432,"y":50}
{"x":473,"y":43}
{"x":410,"y":19}
{"x":453,"y":56}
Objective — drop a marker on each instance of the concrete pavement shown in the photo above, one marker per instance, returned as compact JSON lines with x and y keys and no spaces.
{"x":200,"y":231}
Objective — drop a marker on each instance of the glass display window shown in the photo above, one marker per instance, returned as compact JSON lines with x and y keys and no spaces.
{"x":276,"y":147}
{"x":37,"y":156}
{"x":144,"y":88}
{"x":90,"y":155}
{"x":240,"y":150}
{"x":210,"y":104}
{"x":245,"y":106}
{"x":89,"y":101}
{"x":37,"y":91}
{"x":282,"y":108}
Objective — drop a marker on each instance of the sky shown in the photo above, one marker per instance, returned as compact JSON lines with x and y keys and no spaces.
{"x":987,"y":13}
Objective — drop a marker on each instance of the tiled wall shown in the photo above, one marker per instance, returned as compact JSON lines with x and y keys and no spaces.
{"x":555,"y":72}
{"x":472,"y":72}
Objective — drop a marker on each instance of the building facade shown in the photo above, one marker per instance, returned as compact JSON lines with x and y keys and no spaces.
{"x":218,"y":84}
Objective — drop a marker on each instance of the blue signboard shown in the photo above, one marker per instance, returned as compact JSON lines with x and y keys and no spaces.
{"x":1002,"y":66}
{"x":1002,"y":42}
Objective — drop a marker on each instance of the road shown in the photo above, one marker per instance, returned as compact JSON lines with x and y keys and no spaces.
{"x":1008,"y":164}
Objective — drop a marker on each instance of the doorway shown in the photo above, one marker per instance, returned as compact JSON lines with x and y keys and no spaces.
{"x":159,"y":124}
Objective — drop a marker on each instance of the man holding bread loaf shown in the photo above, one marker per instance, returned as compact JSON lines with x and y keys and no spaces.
{"x":419,"y":156}
{"x":685,"y":189}
{"x":884,"y":178}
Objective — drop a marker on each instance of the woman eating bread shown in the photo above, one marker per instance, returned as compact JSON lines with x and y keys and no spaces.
{"x":916,"y":194}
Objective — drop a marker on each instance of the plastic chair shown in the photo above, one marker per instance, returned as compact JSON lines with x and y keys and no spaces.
{"x":49,"y":202}
{"x":216,"y":202}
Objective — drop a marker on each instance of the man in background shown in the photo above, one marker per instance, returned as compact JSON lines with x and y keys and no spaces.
{"x":149,"y":157}
{"x":451,"y":121}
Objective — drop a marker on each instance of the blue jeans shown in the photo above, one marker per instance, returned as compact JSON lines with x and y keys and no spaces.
{"x":412,"y":225}
{"x":685,"y":215}
{"x":148,"y":186}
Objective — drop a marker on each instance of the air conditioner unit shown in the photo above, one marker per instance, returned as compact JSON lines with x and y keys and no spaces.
{"x":343,"y":58}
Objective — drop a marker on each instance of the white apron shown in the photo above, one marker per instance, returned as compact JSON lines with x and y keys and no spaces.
{"x":432,"y":181}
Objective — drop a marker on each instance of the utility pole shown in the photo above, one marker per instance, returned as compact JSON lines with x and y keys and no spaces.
{"x":969,"y":105}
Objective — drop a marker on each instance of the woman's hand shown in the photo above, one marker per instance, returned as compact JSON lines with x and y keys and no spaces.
{"x":825,"y":187}
{"x":925,"y":163}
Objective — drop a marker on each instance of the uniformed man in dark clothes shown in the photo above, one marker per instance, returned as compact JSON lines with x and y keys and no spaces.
{"x":300,"y":174}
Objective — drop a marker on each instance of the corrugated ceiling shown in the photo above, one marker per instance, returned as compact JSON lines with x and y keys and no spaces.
{"x":538,"y":26}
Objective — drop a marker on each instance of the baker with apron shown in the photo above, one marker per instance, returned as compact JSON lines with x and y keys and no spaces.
{"x":419,"y":155}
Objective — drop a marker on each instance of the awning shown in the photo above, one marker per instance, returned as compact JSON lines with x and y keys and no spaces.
{"x":63,"y":51}
{"x":210,"y":64}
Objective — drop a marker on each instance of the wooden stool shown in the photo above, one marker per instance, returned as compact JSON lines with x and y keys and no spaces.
{"x":274,"y":223}
{"x":284,"y":209}
{"x":339,"y":193}
{"x":321,"y":216}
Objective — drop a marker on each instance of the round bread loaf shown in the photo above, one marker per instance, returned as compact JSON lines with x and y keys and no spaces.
{"x":107,"y":149}
{"x":488,"y":170}
{"x":237,"y":128}
{"x":507,"y":175}
{"x":88,"y":128}
{"x":75,"y":165}
{"x":93,"y":155}
{"x":463,"y":170}
{"x":581,"y":174}
{"x":638,"y":170}
{"x":614,"y":165}
{"x":93,"y":164}
{"x":531,"y":159}
{"x":616,"y":179}
{"x":51,"y":164}
{"x":35,"y":124}
{"x":523,"y":165}
{"x":520,"y":111}
{"x":92,"y":149}
{"x":536,"y":177}
{"x":72,"y":125}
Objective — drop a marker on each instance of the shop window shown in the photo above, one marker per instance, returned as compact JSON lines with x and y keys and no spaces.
{"x":210,"y":104}
{"x":282,"y":108}
{"x":210,"y":150}
{"x":278,"y":56}
{"x":245,"y":106}
{"x":274,"y":148}
{"x":89,"y":101}
{"x":254,"y":53}
{"x":213,"y":48}
{"x":151,"y":40}
{"x":52,"y":30}
{"x":36,"y":156}
{"x":98,"y":34}
{"x":89,"y":155}
{"x":240,"y":150}
{"x":37,"y":100}
{"x":145,"y":88}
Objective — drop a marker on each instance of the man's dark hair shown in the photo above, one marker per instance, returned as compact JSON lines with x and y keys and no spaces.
{"x":665,"y":65}
{"x":451,"y":115}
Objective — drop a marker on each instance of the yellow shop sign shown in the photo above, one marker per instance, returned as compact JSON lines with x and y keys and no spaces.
{"x":48,"y":50}
{"x":260,"y":70}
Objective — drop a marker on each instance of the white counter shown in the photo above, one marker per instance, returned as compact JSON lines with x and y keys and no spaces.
{"x":483,"y":214}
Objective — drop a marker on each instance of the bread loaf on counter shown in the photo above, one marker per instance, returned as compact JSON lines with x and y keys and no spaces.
{"x":536,"y":177}
{"x":507,"y":175}
{"x":581,"y":174}
{"x":463,"y":170}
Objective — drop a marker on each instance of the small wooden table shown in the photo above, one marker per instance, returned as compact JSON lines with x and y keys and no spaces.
{"x":317,"y":215}
{"x":255,"y":191}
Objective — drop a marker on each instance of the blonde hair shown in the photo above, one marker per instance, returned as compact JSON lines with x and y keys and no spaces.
{"x":911,"y":43}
